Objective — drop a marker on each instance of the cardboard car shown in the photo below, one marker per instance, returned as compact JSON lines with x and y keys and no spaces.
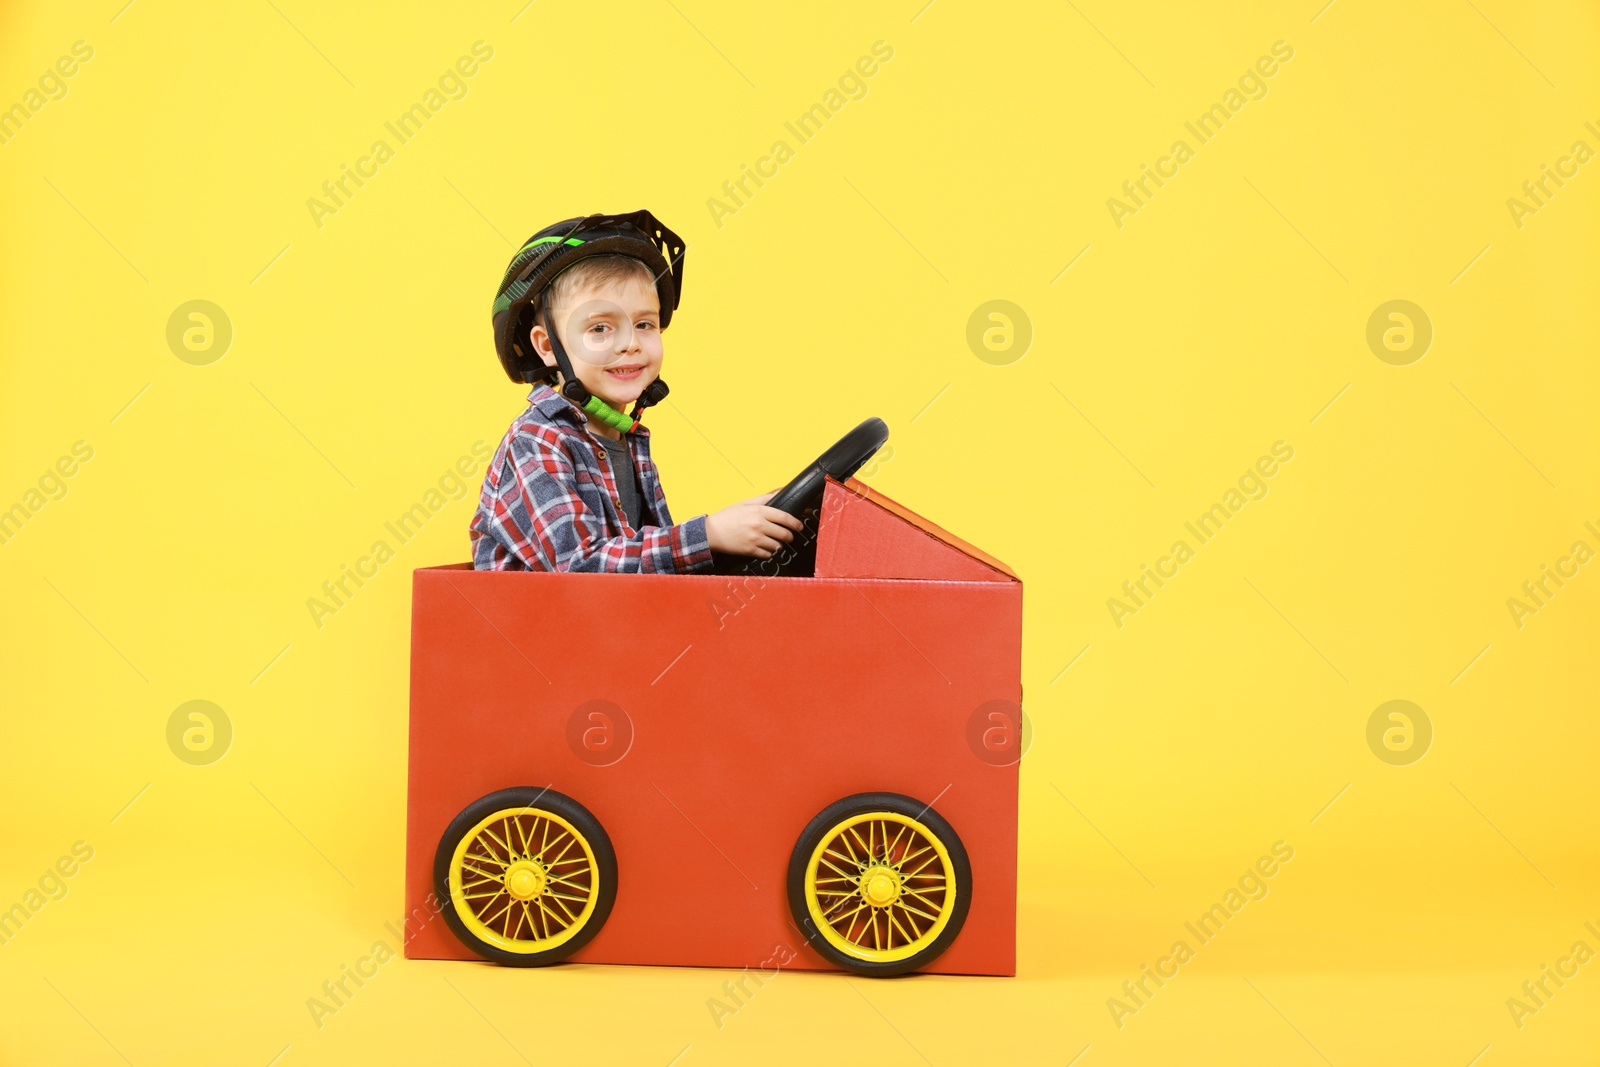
{"x":704,"y":770}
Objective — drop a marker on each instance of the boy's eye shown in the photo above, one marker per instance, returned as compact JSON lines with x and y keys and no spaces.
{"x":598,"y":327}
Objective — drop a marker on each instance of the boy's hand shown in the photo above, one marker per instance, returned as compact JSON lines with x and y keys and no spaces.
{"x":749,"y":528}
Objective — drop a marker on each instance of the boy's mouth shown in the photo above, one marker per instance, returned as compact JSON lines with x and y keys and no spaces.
{"x":625,"y":372}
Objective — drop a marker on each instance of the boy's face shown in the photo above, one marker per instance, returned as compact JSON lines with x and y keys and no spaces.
{"x":612,"y":334}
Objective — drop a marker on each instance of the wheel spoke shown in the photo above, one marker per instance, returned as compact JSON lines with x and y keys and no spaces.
{"x":889,"y":852}
{"x":493,"y":876}
{"x":490,"y":920}
{"x":567,"y":881}
{"x":550,"y":913}
{"x":889,"y":912}
{"x":850,"y":853}
{"x":914,"y":911}
{"x":841,"y":857}
{"x":564,"y":896}
{"x":850,"y":934}
{"x":563,"y":852}
{"x":839,"y":904}
{"x":846,"y":876}
{"x":566,"y":914}
{"x":491,"y":836}
{"x":522,"y":832}
{"x":514,"y":924}
{"x":486,"y":856}
{"x":932,"y":887}
{"x":836,"y":920}
{"x":909,"y":920}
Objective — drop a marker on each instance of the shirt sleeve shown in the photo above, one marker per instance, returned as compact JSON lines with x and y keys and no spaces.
{"x":538,"y":518}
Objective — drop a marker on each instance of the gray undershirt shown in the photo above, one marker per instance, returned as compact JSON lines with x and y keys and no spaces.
{"x":622,"y":472}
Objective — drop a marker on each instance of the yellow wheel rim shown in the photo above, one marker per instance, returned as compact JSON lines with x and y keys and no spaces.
{"x":880,"y":887}
{"x":524,"y":880}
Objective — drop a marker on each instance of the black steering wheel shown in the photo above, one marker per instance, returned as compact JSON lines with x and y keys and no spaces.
{"x":802,"y":498}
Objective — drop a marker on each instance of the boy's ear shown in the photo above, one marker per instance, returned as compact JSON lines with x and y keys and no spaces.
{"x":541,"y":344}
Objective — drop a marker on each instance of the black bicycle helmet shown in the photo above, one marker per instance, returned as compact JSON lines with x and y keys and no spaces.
{"x":555,"y":248}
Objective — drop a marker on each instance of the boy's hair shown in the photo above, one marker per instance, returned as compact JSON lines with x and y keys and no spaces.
{"x":596,"y":270}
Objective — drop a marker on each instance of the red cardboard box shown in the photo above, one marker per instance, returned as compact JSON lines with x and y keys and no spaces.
{"x":734,"y":711}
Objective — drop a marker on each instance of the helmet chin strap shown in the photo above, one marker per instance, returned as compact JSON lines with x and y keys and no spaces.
{"x":574,"y":390}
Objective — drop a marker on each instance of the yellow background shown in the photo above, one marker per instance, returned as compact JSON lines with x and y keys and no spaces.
{"x":1224,"y":316}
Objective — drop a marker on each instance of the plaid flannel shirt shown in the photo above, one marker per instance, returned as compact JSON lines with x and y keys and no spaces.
{"x":549,"y":502}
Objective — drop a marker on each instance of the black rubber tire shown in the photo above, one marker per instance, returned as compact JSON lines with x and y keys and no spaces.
{"x":862,"y":804}
{"x":543,"y":800}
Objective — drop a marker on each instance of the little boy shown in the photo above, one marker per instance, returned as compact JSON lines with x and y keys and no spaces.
{"x":572,"y":487}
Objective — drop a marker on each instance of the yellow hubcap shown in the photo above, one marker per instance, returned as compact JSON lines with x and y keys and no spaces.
{"x":880,"y":886}
{"x":524,"y":880}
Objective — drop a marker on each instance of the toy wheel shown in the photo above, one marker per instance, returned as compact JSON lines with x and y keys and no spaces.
{"x":526,"y":876}
{"x":879,"y":884}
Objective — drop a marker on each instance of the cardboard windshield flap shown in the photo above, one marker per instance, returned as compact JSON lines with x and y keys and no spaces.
{"x":864,"y":534}
{"x":738,"y":708}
